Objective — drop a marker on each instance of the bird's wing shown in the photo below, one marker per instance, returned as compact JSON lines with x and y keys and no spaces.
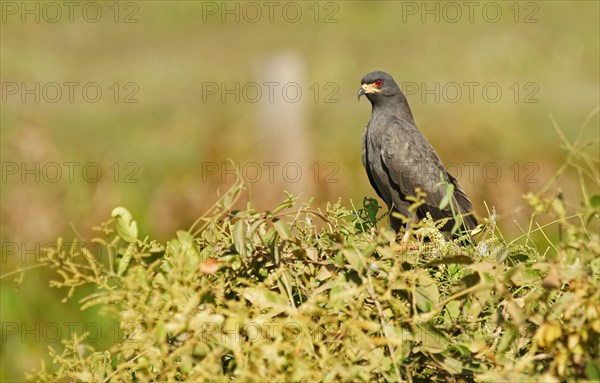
{"x":463,"y":203}
{"x":411,"y":163}
{"x":364,"y":149}
{"x":365,"y":161}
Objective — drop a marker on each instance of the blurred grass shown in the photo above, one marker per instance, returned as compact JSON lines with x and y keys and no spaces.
{"x":170,"y":132}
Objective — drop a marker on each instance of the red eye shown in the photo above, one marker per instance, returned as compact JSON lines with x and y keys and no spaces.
{"x":379,"y":83}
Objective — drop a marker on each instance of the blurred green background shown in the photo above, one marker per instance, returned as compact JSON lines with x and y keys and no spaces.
{"x":168,"y":120}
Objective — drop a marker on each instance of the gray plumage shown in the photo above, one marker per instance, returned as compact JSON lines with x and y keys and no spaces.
{"x":398,"y":159}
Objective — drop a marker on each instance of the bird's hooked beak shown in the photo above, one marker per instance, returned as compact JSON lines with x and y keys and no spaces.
{"x":367,"y":88}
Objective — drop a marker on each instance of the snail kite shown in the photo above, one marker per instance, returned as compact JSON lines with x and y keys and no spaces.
{"x":399,"y":160}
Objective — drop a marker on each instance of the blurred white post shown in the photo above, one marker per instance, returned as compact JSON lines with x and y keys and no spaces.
{"x":283,"y":122}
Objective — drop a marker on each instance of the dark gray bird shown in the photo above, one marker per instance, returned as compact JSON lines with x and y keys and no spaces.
{"x":398,"y":160}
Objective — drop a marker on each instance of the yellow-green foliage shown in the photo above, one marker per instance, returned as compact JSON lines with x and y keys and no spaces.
{"x":297,"y":294}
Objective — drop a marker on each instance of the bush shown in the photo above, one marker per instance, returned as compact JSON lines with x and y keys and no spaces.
{"x":301,"y":294}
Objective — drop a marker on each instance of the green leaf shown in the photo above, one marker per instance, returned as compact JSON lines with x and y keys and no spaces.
{"x":185,"y":238}
{"x":592,"y":371}
{"x":142,"y":277}
{"x":341,"y":291}
{"x":124,"y":262}
{"x":595,"y":201}
{"x":449,"y":192}
{"x":160,"y":331}
{"x":239,"y":238}
{"x":265,"y":299}
{"x":288,"y":203}
{"x":453,"y":366}
{"x":522,"y":276}
{"x":126,"y":226}
{"x":516,"y":313}
{"x":371,"y":206}
{"x":444,"y":202}
{"x":506,"y":339}
{"x":323,"y":273}
{"x":354,"y":258}
{"x":283,"y":229}
{"x":559,"y":207}
{"x":453,"y":309}
{"x":427,"y":294}
{"x":430,"y":339}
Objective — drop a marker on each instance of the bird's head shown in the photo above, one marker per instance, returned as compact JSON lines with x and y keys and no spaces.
{"x":378,"y":86}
